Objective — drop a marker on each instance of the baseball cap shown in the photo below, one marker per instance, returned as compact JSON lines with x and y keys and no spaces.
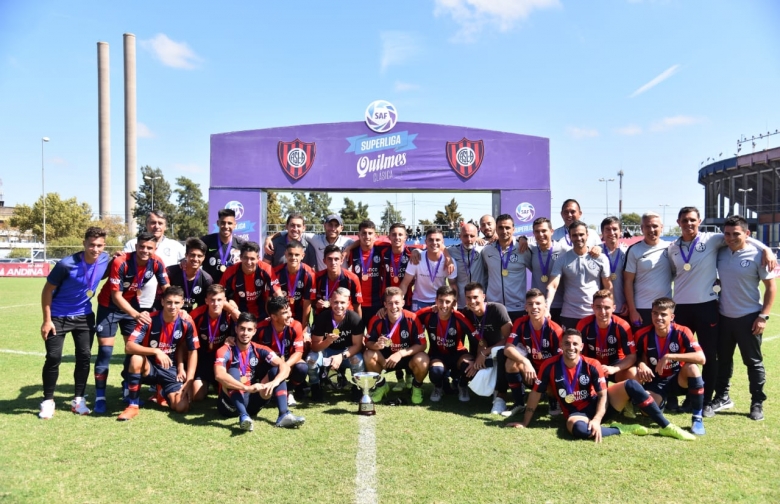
{"x":334,"y":217}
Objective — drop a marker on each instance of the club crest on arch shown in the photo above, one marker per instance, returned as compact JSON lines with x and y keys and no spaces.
{"x":465,"y":156}
{"x":296,"y":157}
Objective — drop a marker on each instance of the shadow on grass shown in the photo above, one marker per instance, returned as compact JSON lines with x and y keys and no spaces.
{"x":29,"y":398}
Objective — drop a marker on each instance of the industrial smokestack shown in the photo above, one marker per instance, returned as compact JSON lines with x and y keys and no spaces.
{"x":104,"y":131}
{"x":130,"y":132}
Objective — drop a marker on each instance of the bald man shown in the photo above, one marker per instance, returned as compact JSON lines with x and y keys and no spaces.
{"x":468,"y":260}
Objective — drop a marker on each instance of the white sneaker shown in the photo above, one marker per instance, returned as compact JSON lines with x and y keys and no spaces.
{"x":291,"y":399}
{"x":47,"y":410}
{"x":437,"y":394}
{"x":517,"y":409}
{"x":463,"y":394}
{"x":499,"y":406}
{"x":79,"y":406}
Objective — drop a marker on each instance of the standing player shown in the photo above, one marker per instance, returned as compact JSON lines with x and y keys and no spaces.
{"x":247,"y":283}
{"x":193,"y":280}
{"x":153,"y":357}
{"x":223,"y":246}
{"x":648,"y":274}
{"x":364,"y":262}
{"x":249,"y":374}
{"x":667,"y":353}
{"x":284,"y":335}
{"x":333,"y":226}
{"x":743,"y":317}
{"x":429,"y":274}
{"x":396,"y":259}
{"x":337,"y":338}
{"x":119,"y":304}
{"x":448,"y":331}
{"x":333,"y":277}
{"x":616,"y":255}
{"x":506,"y":268}
{"x":295,"y":228}
{"x":581,"y":274}
{"x":467,"y":256}
{"x":487,"y":225}
{"x":396,"y":341}
{"x":608,"y":339}
{"x":295,"y":281}
{"x":544,"y":253}
{"x":214,"y":325}
{"x":66,"y":302}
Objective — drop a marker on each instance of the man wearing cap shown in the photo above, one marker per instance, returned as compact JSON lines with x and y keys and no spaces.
{"x":333,"y":224}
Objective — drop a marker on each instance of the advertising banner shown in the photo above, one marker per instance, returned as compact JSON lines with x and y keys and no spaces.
{"x":39,"y":269}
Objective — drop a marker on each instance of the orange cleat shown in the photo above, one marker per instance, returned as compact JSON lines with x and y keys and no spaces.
{"x":128,"y":414}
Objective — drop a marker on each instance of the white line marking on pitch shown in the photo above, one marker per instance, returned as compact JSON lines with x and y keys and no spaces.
{"x":365,"y":461}
{"x":18,"y":306}
{"x":42,"y":354}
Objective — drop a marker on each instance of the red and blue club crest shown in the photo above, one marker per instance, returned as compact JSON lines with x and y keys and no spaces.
{"x":465,"y":156}
{"x":296,"y":157}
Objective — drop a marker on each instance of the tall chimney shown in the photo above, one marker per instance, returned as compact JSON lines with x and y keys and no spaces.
{"x":130,"y":132}
{"x":104,"y":132}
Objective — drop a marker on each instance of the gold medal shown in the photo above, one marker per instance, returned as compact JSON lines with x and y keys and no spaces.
{"x":613,"y":276}
{"x":364,"y":278}
{"x":569,"y":398}
{"x":545,"y":278}
{"x":292,"y":301}
{"x":505,"y":272}
{"x":326,"y":304}
{"x":336,"y":331}
{"x":396,"y":280}
{"x":90,"y":293}
{"x":244,"y":380}
{"x":687,"y":267}
{"x":716,"y":288}
{"x":222,"y":268}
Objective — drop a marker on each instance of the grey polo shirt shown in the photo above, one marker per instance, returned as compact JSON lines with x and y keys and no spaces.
{"x":538,"y":269}
{"x":581,"y":275}
{"x":740,"y":274}
{"x":470,"y":268}
{"x":652,"y":270}
{"x":507,"y":290}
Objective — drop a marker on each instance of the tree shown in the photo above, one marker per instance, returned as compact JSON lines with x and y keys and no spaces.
{"x":192,"y":215}
{"x":64,"y":218}
{"x":424,"y":223}
{"x":674,"y":231}
{"x":450,"y":216}
{"x":390,"y":216}
{"x":352,"y":213}
{"x":274,"y":209}
{"x":631,"y":219}
{"x":162,"y":197}
{"x":319,"y":204}
{"x":298,"y":205}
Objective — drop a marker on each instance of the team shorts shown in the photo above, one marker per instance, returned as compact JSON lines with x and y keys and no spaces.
{"x":226,"y":408}
{"x":109,"y":320}
{"x":205,"y":369}
{"x":590,"y":412}
{"x":402,"y":364}
{"x":165,"y":378}
{"x":662,"y":385}
{"x":450,"y":361}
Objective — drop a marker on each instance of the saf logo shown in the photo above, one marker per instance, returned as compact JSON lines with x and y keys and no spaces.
{"x":296,"y":157}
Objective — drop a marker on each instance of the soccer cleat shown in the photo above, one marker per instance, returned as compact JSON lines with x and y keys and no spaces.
{"x":722,"y":403}
{"x":380,"y":393}
{"x":289,"y":421}
{"x":629,"y":411}
{"x":555,"y":408}
{"x":499,"y":406}
{"x":463,"y":394}
{"x":697,"y":426}
{"x":291,"y":399}
{"x":437,"y":394}
{"x":399,"y":386}
{"x":79,"y":406}
{"x":417,"y":395}
{"x":246,"y":423}
{"x":519,"y":408}
{"x":128,"y":414}
{"x":409,"y":379}
{"x":637,"y":430}
{"x":100,"y":407}
{"x":47,"y":410}
{"x":757,"y":412}
{"x":709,"y":411}
{"x":676,"y":432}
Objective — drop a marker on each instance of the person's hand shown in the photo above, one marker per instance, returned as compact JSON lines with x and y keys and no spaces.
{"x":479,"y":363}
{"x":230,"y":340}
{"x":266,"y":389}
{"x":660,"y":365}
{"x":522,"y":244}
{"x":143,"y":318}
{"x":529,"y":373}
{"x":595,"y":430}
{"x":515,"y":425}
{"x":118,"y":254}
{"x":392,"y":361}
{"x":635,"y":317}
{"x":381,"y":313}
{"x":181,"y":374}
{"x":268,"y":246}
{"x":595,"y":251}
{"x":254,"y":388}
{"x":643,"y":373}
{"x":335,"y":361}
{"x":471,"y":370}
{"x":322,"y":304}
{"x":307,"y":337}
{"x":623,"y":312}
{"x":46,"y":328}
{"x":162,"y":359}
{"x":769,"y":260}
{"x":449,"y":265}
{"x":758,"y":326}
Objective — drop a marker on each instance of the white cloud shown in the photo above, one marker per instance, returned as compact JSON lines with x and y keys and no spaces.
{"x":187,"y":168}
{"x":657,"y":80}
{"x":672,"y":122}
{"x":473,"y":15}
{"x":630,"y":130}
{"x":397,"y":48}
{"x":580,"y":133}
{"x":143,"y":131}
{"x":400,"y":87}
{"x":170,"y":53}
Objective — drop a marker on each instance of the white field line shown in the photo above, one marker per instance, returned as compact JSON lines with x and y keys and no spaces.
{"x":18,"y":306}
{"x":365,"y":462}
{"x":116,"y":358}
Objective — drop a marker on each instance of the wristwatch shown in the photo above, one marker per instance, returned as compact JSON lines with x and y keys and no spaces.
{"x":765,"y":317}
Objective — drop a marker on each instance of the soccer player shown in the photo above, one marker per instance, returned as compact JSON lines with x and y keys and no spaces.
{"x":492,"y":326}
{"x":364,"y":261}
{"x":224,"y":248}
{"x":278,"y":246}
{"x":119,"y":304}
{"x":193,"y":280}
{"x":616,"y":255}
{"x":534,"y":339}
{"x":582,"y":275}
{"x":544,"y":253}
{"x":571,"y":213}
{"x":448,"y":331}
{"x":333,"y":277}
{"x":608,"y":339}
{"x":153,"y":357}
{"x":648,"y":274}
{"x":396,"y":341}
{"x":693,"y":259}
{"x":284,"y":335}
{"x":333,"y":226}
{"x":249,"y":374}
{"x":487,"y":225}
{"x":214,"y":325}
{"x":337,"y":338}
{"x":743,"y":317}
{"x":295,"y":280}
{"x":66,"y":302}
{"x":667,"y":353}
{"x":505,"y":267}
{"x":396,"y":259}
{"x":248,"y":283}
{"x":429,"y":274}
{"x":467,"y":256}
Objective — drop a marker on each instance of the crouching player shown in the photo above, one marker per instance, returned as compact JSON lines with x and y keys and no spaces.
{"x":608,"y":339}
{"x":666,"y":352}
{"x":249,"y":374}
{"x":152,"y":351}
{"x":447,"y":332}
{"x":337,"y":336}
{"x":214,"y":325}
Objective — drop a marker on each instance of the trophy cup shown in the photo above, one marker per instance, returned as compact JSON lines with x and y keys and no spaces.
{"x":365,"y":381}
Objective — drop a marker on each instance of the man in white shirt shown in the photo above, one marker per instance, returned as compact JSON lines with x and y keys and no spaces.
{"x":429,"y":274}
{"x":648,"y":273}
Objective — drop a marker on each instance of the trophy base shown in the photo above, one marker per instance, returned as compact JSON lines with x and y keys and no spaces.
{"x":366,"y":409}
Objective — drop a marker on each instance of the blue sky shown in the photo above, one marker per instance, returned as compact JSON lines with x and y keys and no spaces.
{"x":649,"y":87}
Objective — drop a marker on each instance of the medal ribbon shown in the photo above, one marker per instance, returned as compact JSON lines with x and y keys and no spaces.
{"x":243,"y":360}
{"x":505,"y":257}
{"x":471,"y":254}
{"x":292,"y":290}
{"x":213,"y":333}
{"x":446,"y":331}
{"x":601,"y":344}
{"x":393,"y":261}
{"x":223,"y":256}
{"x":479,"y":334}
{"x":328,"y":288}
{"x":165,"y":335}
{"x":365,"y":270}
{"x":546,"y":264}
{"x":140,"y":276}
{"x":567,"y":236}
{"x":187,"y":290}
{"x":91,"y":279}
{"x":613,"y":267}
{"x":691,"y":249}
{"x":389,"y":334}
{"x":432,"y":276}
{"x":566,"y":382}
{"x":666,"y":346}
{"x":536,"y":342}
{"x":279,"y":342}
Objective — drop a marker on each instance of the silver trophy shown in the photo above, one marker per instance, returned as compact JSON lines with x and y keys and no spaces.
{"x":365,"y":381}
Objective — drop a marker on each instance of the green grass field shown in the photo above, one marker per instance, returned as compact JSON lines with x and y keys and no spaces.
{"x":430,"y":453}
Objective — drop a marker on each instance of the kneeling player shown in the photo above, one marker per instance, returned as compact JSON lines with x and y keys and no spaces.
{"x":214,"y":325}
{"x":396,"y":341}
{"x":666,"y":353}
{"x":249,"y":374}
{"x":447,"y":331}
{"x":152,"y":351}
